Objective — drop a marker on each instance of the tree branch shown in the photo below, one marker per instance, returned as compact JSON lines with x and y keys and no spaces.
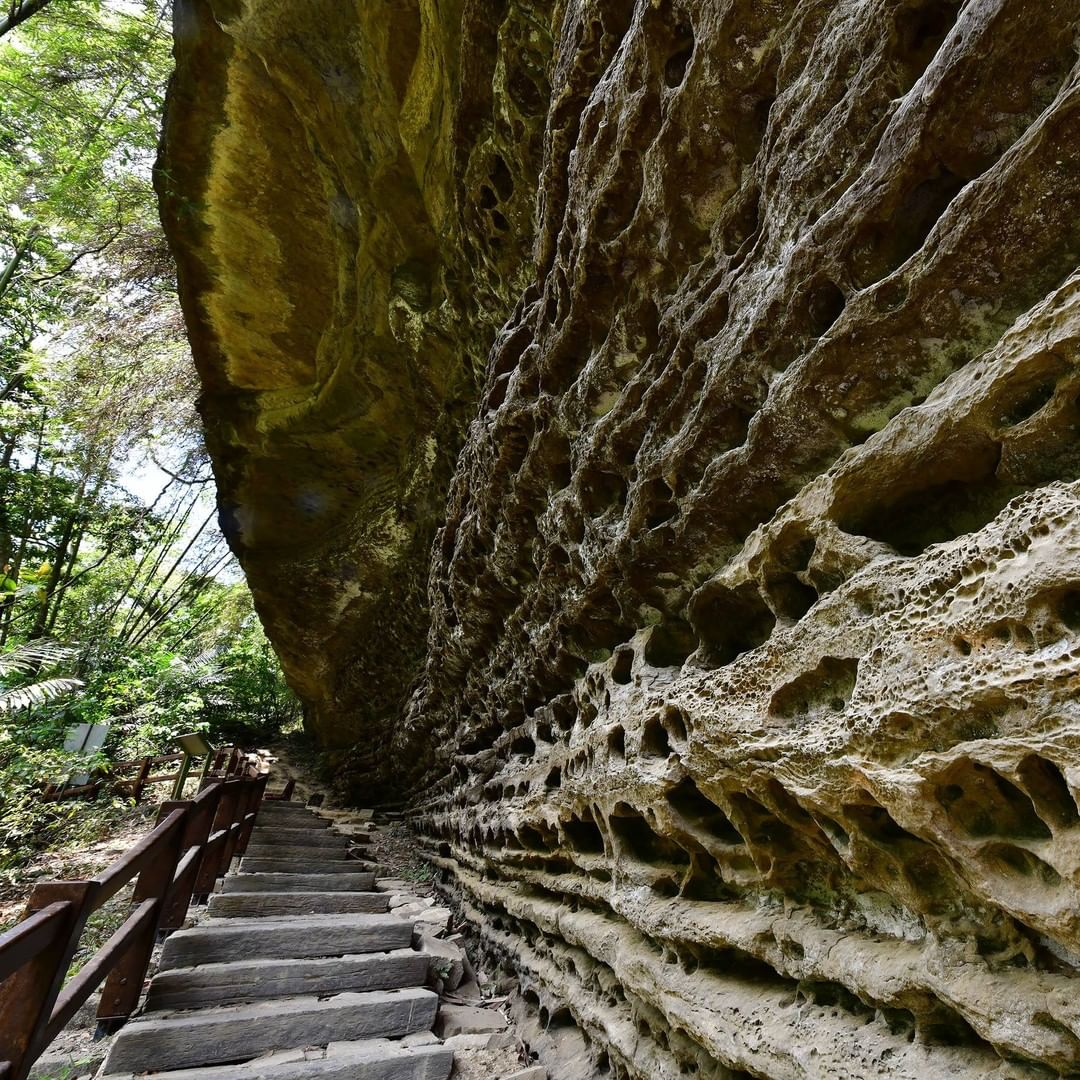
{"x":42,"y":278}
{"x":180,"y":479}
{"x":18,"y":12}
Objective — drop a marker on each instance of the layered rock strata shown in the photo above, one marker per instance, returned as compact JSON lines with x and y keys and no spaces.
{"x":747,"y":728}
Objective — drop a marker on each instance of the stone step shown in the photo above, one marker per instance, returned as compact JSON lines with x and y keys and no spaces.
{"x":251,"y":980}
{"x":221,"y":940}
{"x":271,"y":834}
{"x":235,"y":1033}
{"x":238,"y":904}
{"x":347,"y":879}
{"x":280,"y":814}
{"x":311,"y":865}
{"x":259,"y":850}
{"x":375,"y":1059}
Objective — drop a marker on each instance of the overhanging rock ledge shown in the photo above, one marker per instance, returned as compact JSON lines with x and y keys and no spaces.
{"x":651,"y":432}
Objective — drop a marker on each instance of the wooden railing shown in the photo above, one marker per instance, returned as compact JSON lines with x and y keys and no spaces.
{"x":191,"y":846}
{"x":131,"y":777}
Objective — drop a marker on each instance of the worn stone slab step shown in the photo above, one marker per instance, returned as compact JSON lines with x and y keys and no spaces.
{"x":252,"y":980}
{"x":259,"y":850}
{"x":320,"y":838}
{"x":221,"y":940}
{"x":235,"y":1033}
{"x":299,"y":819}
{"x":312,"y":865}
{"x":281,"y":811}
{"x":375,"y":1059}
{"x":238,"y":904}
{"x":347,"y":879}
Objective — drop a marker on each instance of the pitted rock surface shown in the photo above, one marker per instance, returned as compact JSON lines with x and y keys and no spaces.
{"x":746,"y":726}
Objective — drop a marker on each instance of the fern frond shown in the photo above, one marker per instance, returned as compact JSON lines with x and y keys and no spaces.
{"x":37,"y":693}
{"x":33,"y":655}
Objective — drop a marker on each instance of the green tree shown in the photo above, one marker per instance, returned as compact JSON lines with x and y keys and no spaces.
{"x":95,"y":380}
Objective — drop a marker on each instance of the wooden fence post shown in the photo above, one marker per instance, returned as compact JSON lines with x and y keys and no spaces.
{"x":196,"y":832}
{"x":256,"y":789}
{"x":123,"y":987}
{"x":28,"y":996}
{"x":139,"y":782}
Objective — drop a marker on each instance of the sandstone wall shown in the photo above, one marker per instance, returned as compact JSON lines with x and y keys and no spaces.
{"x":341,"y":297}
{"x":747,"y":727}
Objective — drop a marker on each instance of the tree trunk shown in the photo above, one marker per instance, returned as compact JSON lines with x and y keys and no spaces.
{"x":19,"y":12}
{"x":41,"y":619}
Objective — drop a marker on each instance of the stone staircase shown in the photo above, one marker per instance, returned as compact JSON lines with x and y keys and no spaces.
{"x":299,"y":970}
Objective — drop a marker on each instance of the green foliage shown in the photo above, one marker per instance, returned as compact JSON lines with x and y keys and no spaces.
{"x":96,"y":381}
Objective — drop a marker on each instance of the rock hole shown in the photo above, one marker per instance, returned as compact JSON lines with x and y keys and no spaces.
{"x":729,"y":621}
{"x":883,"y":247}
{"x":701,"y":814}
{"x":760,"y":827}
{"x":675,"y":723}
{"x":523,"y":746}
{"x":638,"y":841}
{"x":825,"y":305}
{"x":952,"y":496}
{"x":619,"y":202}
{"x":875,"y":823}
{"x":1068,"y":608}
{"x":1027,"y":404}
{"x":527,"y":85}
{"x":616,"y":742}
{"x":622,"y":668}
{"x":583,"y":835}
{"x":500,"y":177}
{"x":659,"y":502}
{"x":666,"y":887}
{"x":538,"y":838}
{"x":704,"y":881}
{"x":679,"y":60}
{"x":921,"y":28}
{"x":827,"y":688}
{"x":670,"y":643}
{"x":1046,"y":785}
{"x":946,"y":1027}
{"x":744,"y":221}
{"x":600,"y":491}
{"x":735,"y":963}
{"x":654,"y":739}
{"x":980,"y":802}
{"x":405,"y":28}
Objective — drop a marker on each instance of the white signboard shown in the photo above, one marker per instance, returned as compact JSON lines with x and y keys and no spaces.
{"x":84,"y":739}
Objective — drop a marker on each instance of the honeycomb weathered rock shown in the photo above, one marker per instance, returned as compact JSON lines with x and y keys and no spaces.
{"x":747,"y":728}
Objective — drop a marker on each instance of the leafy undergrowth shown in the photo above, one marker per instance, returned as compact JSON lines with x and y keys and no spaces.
{"x":87,"y":838}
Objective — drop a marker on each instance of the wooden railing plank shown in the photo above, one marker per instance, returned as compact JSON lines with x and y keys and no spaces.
{"x":95,"y":970}
{"x":25,"y":940}
{"x":191,"y":845}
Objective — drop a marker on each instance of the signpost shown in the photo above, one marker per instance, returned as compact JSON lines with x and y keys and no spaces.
{"x":193,"y":745}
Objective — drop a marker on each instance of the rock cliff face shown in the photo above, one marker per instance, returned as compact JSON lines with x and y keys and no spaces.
{"x":745,"y":723}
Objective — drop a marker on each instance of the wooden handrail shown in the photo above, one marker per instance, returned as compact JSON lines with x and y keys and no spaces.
{"x":22,"y":943}
{"x":225,"y":762}
{"x":191,"y":845}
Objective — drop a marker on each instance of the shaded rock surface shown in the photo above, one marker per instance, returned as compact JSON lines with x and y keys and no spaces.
{"x":745,"y":723}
